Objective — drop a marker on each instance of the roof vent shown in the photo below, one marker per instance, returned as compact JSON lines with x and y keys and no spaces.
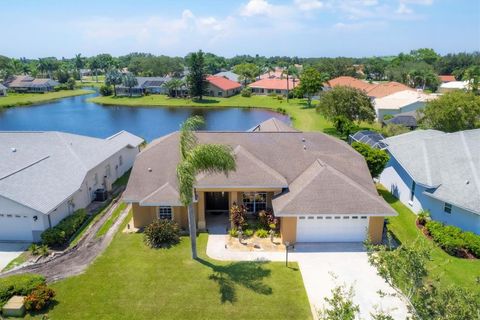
{"x":149,"y":169}
{"x":304,"y":147}
{"x":13,"y":149}
{"x":303,"y":139}
{"x":467,"y":182}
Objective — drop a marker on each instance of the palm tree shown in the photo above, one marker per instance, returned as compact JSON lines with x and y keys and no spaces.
{"x":42,"y":66}
{"x":94,"y":65}
{"x":173,"y":85}
{"x":113,"y":78}
{"x":195,"y":159}
{"x":290,"y":71}
{"x":78,"y":61}
{"x":129,"y":81}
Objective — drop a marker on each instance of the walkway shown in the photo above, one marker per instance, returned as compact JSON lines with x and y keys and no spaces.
{"x":324,"y":266}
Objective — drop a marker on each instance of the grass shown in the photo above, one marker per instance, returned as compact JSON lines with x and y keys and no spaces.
{"x":115,"y":214}
{"x":131,"y":281}
{"x":445,"y":269}
{"x":25,"y":99}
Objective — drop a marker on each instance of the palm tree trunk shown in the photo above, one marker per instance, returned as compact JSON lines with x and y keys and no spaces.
{"x":193,"y":230}
{"x":114,"y":91}
{"x":288,"y":90}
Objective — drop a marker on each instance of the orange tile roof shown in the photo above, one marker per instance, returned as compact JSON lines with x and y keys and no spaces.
{"x":376,"y":90}
{"x":223,"y":83}
{"x":274,"y":84}
{"x":447,"y":78}
{"x":349,"y":82}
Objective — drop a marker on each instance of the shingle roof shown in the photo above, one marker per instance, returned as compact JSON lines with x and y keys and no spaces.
{"x":228,"y":74}
{"x":273,"y":125}
{"x":223,"y":83}
{"x":2,"y":87}
{"x":264,"y":159}
{"x":29,"y":82}
{"x":407,"y":119}
{"x":275,"y":84}
{"x":42,"y":169}
{"x":448,"y":163}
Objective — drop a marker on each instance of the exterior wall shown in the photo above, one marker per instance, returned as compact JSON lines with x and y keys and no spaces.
{"x":142,"y":216}
{"x":375,"y":229}
{"x":263,"y":91}
{"x":288,"y":229}
{"x":411,"y":107}
{"x":214,"y":91}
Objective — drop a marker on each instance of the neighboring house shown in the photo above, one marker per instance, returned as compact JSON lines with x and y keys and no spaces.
{"x":30,"y":84}
{"x":446,"y":78}
{"x":277,"y":73}
{"x":46,"y":176}
{"x":145,"y":85}
{"x":438,"y":172}
{"x":400,"y":102}
{"x":273,"y":125}
{"x":373,"y":90}
{"x":407,"y":119}
{"x":453,"y":86}
{"x":317,"y":185}
{"x":273,"y":86}
{"x":372,"y":138}
{"x":222,"y":87}
{"x":229,"y":75}
{"x":3,"y":90}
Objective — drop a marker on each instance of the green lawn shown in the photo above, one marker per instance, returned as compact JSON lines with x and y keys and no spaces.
{"x":132,"y":281}
{"x":115,"y":214}
{"x":23,"y":99}
{"x":446,"y":269}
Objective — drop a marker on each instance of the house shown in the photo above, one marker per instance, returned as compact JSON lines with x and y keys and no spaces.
{"x":273,"y":86}
{"x":45,"y":176}
{"x":446,"y":78}
{"x":276,"y":73}
{"x":222,"y":87}
{"x":439,"y":172}
{"x":3,"y":90}
{"x":453,"y":86}
{"x":400,"y":102}
{"x":145,"y":85}
{"x":407,"y":119}
{"x":273,"y":125}
{"x":229,"y":75}
{"x":372,"y":138}
{"x":30,"y":84}
{"x":373,"y":90}
{"x":318,"y":186}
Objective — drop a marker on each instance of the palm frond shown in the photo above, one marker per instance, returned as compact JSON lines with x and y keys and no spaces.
{"x":212,"y":158}
{"x":188,"y":140}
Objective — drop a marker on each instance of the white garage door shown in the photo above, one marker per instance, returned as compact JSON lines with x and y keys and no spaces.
{"x":332,"y":228}
{"x":15,"y":228}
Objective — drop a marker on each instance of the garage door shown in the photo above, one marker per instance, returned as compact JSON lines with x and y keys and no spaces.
{"x":15,"y":228}
{"x":332,"y":228}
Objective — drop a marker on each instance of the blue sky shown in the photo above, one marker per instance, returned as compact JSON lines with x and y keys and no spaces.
{"x":305,"y":28}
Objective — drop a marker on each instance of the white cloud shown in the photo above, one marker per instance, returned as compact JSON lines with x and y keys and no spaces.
{"x":308,"y":5}
{"x":403,"y":9}
{"x":256,"y":7}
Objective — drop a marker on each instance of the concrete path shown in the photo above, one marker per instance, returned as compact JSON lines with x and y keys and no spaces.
{"x":324,"y":266}
{"x":9,"y":251}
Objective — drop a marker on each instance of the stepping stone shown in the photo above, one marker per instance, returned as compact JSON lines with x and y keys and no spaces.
{"x":14,"y":307}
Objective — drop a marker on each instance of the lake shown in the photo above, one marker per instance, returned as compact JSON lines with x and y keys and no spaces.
{"x":76,"y":115}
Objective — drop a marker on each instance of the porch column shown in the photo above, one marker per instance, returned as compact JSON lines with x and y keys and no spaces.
{"x":233,"y":197}
{"x":201,"y":224}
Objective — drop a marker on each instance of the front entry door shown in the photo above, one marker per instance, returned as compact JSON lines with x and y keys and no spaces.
{"x":216,"y":202}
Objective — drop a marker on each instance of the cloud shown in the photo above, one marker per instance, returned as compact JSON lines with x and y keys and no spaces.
{"x":256,"y":7}
{"x":308,"y":5}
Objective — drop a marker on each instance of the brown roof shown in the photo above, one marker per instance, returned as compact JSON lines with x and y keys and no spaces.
{"x":273,"y":125}
{"x":447,"y":78}
{"x":281,"y":160}
{"x":376,"y":90}
{"x":27,"y":82}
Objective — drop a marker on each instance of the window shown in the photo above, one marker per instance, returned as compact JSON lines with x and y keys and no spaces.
{"x":255,"y":201}
{"x":311,"y":218}
{"x":120,"y":160}
{"x":301,"y":218}
{"x":220,"y":93}
{"x":412,"y":192}
{"x":278,"y":91}
{"x":447,"y":207}
{"x":337,"y":217}
{"x":165,"y":213}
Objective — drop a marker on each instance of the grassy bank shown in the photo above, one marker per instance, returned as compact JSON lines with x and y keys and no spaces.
{"x":304,"y":118}
{"x":25,"y":99}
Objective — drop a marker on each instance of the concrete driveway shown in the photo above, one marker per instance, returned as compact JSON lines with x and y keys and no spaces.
{"x":9,"y":251}
{"x":324,"y":266}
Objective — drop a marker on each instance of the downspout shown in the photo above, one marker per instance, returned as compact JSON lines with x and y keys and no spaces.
{"x":49,"y":221}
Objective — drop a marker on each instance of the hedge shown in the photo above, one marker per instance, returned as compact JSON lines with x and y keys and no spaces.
{"x":452,"y":239}
{"x":65,"y":229}
{"x":21,"y":284}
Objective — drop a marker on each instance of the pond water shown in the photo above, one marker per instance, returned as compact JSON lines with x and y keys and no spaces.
{"x":76,"y":115}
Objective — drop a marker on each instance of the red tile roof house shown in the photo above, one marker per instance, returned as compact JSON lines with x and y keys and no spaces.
{"x":273,"y":86}
{"x":318,"y":186}
{"x":222,"y":87}
{"x":373,"y":90}
{"x":447,"y":78}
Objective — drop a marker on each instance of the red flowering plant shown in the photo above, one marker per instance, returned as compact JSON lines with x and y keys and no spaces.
{"x":238,"y":216}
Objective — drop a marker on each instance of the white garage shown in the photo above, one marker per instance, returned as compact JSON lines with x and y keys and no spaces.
{"x":325,"y":228}
{"x":14,"y":227}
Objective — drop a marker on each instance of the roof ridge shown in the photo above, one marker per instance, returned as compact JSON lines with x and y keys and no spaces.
{"x":427,"y":163}
{"x":165,"y":185}
{"x":24,"y":167}
{"x":470,"y":161}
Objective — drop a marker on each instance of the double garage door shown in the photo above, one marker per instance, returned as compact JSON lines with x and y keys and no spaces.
{"x":15,"y":228}
{"x":332,"y":228}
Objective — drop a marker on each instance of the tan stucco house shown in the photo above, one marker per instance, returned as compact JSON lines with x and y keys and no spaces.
{"x":318,"y":186}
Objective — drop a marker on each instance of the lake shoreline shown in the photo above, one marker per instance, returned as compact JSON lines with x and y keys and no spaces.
{"x":23,"y":101}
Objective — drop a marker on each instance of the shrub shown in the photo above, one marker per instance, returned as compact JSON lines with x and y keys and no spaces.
{"x":248,"y":232}
{"x":281,"y":110}
{"x":64,"y":230}
{"x":376,"y":159}
{"x":423,"y":217}
{"x":34,"y":249}
{"x":161,"y":232}
{"x":21,"y":284}
{"x":261,"y":233}
{"x":280,"y":98}
{"x":238,"y":216}
{"x":71,"y":84}
{"x":267,"y":220}
{"x":472,"y":242}
{"x":388,"y":117}
{"x":43,"y":250}
{"x":447,"y":237}
{"x":106,"y":90}
{"x":233,"y":232}
{"x":246,"y":92}
{"x":343,"y":125}
{"x":39,"y":298}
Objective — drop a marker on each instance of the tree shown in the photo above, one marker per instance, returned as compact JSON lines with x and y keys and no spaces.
{"x":343,"y":125}
{"x":113,"y":78}
{"x":94,"y":65}
{"x":247,"y":72}
{"x":376,"y":159}
{"x":341,"y":306}
{"x":173,"y":85}
{"x":351,"y":103}
{"x":79,"y":63}
{"x":129,"y":81}
{"x":198,"y":158}
{"x":393,"y":129}
{"x":472,"y":75}
{"x":311,"y":82}
{"x":426,"y":55}
{"x":290,"y":71}
{"x":196,"y":79}
{"x":451,"y":112}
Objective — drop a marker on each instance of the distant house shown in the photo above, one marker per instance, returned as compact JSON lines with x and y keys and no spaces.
{"x":222,"y":87}
{"x":277,"y":73}
{"x":453,"y":86}
{"x":372,"y":138}
{"x":229,"y":75}
{"x":273,"y":125}
{"x":400,"y":102}
{"x":30,"y":84}
{"x":273,"y":86}
{"x":373,"y":90}
{"x":46,"y":176}
{"x":439,"y":172}
{"x":446,"y":78}
{"x":3,"y":90}
{"x":145,"y":85}
{"x":407,"y":119}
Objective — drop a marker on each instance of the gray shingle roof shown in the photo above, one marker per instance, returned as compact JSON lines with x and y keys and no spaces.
{"x":448,"y":163}
{"x":407,"y":119}
{"x":42,"y":169}
{"x":228,"y":74}
{"x":273,"y":125}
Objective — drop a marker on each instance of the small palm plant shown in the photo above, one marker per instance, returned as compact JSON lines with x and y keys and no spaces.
{"x":198,"y":158}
